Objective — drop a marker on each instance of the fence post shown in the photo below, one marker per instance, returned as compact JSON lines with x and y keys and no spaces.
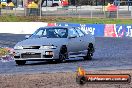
{"x":40,"y":9}
{"x":46,"y":14}
{"x":0,"y":8}
{"x":131,"y":11}
{"x":25,"y":7}
{"x":91,"y":12}
{"x":104,"y":10}
{"x":128,"y":4}
{"x":15,"y":10}
{"x":118,"y":11}
{"x":76,"y":10}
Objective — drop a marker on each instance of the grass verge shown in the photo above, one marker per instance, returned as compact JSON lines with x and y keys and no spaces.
{"x":11,"y":18}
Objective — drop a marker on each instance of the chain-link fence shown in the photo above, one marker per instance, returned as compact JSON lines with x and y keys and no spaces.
{"x":88,"y":11}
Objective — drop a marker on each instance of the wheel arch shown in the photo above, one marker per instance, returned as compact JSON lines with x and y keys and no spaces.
{"x":63,"y":46}
{"x":90,"y":45}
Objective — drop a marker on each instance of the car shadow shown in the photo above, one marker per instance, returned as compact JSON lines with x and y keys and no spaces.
{"x":33,"y":63}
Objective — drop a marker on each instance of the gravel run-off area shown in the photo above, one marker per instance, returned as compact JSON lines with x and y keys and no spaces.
{"x":57,"y":80}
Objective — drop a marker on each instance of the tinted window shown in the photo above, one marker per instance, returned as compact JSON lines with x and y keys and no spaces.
{"x":38,"y":33}
{"x":57,"y":33}
{"x":79,"y":32}
{"x":72,"y":31}
{"x":50,"y":33}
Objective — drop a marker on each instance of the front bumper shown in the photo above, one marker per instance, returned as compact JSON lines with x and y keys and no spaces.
{"x":36,"y":54}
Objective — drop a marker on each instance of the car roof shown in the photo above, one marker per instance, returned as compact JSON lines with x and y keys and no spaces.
{"x":57,"y":27}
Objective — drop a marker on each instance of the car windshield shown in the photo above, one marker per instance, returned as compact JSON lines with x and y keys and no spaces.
{"x":50,"y":33}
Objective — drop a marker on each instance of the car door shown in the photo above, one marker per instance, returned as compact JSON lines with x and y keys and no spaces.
{"x":73,"y":42}
{"x":83,"y":40}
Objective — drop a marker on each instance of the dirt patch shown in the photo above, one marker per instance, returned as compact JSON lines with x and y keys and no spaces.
{"x":56,"y":80}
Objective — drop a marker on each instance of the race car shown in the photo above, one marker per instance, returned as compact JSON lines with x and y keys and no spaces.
{"x":55,"y":44}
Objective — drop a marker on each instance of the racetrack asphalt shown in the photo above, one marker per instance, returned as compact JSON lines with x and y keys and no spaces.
{"x":110,"y":54}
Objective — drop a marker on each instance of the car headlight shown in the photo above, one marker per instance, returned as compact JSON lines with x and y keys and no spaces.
{"x":18,"y":47}
{"x":47,"y":47}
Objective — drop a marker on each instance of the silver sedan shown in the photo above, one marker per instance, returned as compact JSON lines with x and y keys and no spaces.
{"x":55,"y":43}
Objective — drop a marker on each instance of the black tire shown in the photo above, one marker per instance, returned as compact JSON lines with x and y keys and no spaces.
{"x":90,"y":52}
{"x":20,"y":62}
{"x":63,"y":55}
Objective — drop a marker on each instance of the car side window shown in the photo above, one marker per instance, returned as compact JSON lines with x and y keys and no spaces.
{"x":72,"y":31}
{"x":44,"y":33}
{"x":79,"y":32}
{"x":40,"y":33}
{"x":62,"y":32}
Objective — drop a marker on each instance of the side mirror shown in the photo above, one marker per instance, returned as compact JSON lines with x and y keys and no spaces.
{"x":27,"y":36}
{"x":72,"y":36}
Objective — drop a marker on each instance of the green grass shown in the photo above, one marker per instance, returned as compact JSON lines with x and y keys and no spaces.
{"x":11,"y":18}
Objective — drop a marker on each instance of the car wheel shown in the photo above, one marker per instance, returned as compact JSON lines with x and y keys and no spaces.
{"x":63,"y":55}
{"x":90,"y":52}
{"x":20,"y":62}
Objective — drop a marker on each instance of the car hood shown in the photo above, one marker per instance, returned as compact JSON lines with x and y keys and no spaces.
{"x":41,"y":41}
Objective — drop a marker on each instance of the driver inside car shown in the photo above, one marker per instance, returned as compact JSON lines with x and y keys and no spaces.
{"x":51,"y":34}
{"x":63,"y":33}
